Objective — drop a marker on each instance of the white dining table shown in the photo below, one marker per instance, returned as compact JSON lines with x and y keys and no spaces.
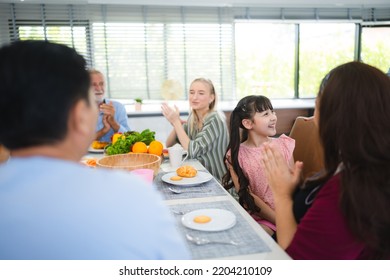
{"x":260,"y":245}
{"x":255,"y":242}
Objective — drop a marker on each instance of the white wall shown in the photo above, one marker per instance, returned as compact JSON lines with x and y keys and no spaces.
{"x":155,"y":123}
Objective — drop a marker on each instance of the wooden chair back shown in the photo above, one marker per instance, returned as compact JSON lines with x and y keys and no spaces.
{"x":308,"y":148}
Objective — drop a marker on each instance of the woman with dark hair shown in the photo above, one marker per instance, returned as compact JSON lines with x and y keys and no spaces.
{"x":254,"y":116}
{"x":347,"y":216}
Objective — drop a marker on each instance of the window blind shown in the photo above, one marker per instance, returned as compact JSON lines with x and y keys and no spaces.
{"x":64,"y":24}
{"x":318,"y":14}
{"x":139,"y":48}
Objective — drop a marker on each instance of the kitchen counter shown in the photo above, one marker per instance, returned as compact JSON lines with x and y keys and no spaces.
{"x":153,"y":108}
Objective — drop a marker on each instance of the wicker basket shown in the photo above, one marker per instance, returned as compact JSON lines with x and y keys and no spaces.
{"x":131,"y":161}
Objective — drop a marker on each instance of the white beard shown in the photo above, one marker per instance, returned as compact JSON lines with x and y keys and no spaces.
{"x":99,"y":98}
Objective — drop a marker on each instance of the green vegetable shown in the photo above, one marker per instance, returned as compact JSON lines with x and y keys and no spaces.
{"x":123,"y":145}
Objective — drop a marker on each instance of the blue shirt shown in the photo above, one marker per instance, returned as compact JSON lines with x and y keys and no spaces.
{"x":56,"y":209}
{"x":120,"y":117}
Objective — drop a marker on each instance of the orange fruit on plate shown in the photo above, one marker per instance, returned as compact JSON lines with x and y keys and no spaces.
{"x":139,"y":147}
{"x":99,"y":145}
{"x":155,"y":148}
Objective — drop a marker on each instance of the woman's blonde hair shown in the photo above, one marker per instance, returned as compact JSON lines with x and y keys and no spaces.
{"x":193,"y":118}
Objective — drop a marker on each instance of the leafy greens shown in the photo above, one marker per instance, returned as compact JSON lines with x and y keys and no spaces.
{"x":124,"y":143}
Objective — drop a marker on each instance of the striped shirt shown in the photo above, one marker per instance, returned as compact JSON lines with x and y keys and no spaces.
{"x":209,"y":144}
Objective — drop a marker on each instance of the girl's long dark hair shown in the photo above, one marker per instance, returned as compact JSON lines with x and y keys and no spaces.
{"x":245,"y":109}
{"x":354,"y":128}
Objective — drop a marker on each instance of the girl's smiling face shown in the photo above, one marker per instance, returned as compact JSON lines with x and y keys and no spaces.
{"x":264,"y":123}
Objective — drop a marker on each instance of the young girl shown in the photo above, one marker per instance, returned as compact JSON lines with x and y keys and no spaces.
{"x":205,"y":135}
{"x":255,"y":116}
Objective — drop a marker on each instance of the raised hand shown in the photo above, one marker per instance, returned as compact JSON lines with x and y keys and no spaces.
{"x":109,"y":115}
{"x":281,"y":177}
{"x":171,"y":114}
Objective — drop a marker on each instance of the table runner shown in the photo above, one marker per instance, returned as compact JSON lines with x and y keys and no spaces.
{"x":242,"y":232}
{"x":210,"y":188}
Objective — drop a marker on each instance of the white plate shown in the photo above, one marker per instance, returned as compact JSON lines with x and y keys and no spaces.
{"x":93,"y":150}
{"x":201,"y":177}
{"x":220,"y":219}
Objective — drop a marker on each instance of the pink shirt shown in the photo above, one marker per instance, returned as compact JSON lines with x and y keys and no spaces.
{"x":249,"y":160}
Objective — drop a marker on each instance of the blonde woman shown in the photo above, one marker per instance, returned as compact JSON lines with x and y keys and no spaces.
{"x":205,"y":134}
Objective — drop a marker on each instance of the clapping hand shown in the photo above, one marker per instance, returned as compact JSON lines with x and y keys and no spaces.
{"x":109,"y":116}
{"x":281,"y":177}
{"x":108,"y":110}
{"x":171,"y":114}
{"x":106,"y":125}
